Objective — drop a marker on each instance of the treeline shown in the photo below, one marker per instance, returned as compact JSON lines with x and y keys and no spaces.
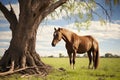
{"x":107,"y":55}
{"x":110,"y":55}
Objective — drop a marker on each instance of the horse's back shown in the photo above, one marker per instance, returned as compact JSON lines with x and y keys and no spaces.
{"x":86,"y":43}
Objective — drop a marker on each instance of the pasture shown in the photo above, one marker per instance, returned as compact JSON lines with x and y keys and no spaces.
{"x":109,"y":69}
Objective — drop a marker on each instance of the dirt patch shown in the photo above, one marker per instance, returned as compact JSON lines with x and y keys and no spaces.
{"x":61,"y":69}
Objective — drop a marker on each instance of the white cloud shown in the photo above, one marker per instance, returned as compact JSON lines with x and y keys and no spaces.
{"x":101,"y":33}
{"x":111,"y":31}
{"x":2,"y":50}
{"x":1,"y":16}
{"x":4,"y":25}
{"x":5,"y":35}
{"x":4,"y":44}
{"x":45,"y":36}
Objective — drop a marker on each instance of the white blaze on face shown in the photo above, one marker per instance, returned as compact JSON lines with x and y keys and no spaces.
{"x":55,"y":34}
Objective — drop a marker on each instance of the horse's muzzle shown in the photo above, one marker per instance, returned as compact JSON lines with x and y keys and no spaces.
{"x":53,"y":44}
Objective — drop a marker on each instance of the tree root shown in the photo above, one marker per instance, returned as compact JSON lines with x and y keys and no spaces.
{"x":28,"y":63}
{"x":27,"y":70}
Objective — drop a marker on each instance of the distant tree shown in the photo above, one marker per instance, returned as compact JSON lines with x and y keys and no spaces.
{"x":116,"y":56}
{"x":108,"y":55}
{"x":60,"y":55}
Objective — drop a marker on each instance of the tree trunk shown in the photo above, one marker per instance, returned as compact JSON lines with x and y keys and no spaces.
{"x":21,"y":55}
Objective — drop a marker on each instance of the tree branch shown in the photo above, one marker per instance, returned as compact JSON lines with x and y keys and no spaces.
{"x":104,"y":11}
{"x":9,"y":15}
{"x":14,"y":71}
{"x":107,"y":15}
{"x":47,"y":8}
{"x":5,"y":11}
{"x":92,"y":11}
{"x":52,"y":7}
{"x":19,"y":70}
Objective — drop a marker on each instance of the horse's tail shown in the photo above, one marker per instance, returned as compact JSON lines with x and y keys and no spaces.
{"x":96,"y":49}
{"x":96,"y":59}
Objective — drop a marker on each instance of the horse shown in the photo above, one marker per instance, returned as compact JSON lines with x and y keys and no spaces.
{"x":77,"y":44}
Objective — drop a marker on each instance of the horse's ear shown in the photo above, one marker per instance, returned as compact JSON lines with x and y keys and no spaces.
{"x":59,"y":29}
{"x":55,"y":29}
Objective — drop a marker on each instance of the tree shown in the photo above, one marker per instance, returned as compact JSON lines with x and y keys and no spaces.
{"x":60,"y":55}
{"x":108,"y":55}
{"x":21,"y":54}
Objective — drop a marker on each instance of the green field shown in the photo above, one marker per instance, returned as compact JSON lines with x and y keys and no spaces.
{"x":109,"y":69}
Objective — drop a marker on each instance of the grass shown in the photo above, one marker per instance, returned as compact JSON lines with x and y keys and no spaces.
{"x":109,"y":69}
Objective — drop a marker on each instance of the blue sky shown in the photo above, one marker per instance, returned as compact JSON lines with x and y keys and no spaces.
{"x":108,"y":36}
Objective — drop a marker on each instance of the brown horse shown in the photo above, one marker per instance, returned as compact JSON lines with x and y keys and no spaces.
{"x":78,"y":44}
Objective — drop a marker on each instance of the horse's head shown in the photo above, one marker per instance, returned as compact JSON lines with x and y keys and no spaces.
{"x":57,"y":36}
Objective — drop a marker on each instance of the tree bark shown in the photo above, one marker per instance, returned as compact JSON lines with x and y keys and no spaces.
{"x":21,"y":55}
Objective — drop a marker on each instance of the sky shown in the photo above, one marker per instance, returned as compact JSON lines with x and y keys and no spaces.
{"x":108,"y":35}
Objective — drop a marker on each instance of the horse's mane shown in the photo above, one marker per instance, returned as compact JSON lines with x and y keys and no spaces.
{"x":69,"y":31}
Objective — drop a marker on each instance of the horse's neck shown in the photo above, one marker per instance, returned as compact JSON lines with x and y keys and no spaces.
{"x":67,"y":36}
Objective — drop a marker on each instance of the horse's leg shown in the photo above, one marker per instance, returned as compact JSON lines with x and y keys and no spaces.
{"x":90,"y":58}
{"x":70,"y":58}
{"x":94,"y":55}
{"x":74,"y":56}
